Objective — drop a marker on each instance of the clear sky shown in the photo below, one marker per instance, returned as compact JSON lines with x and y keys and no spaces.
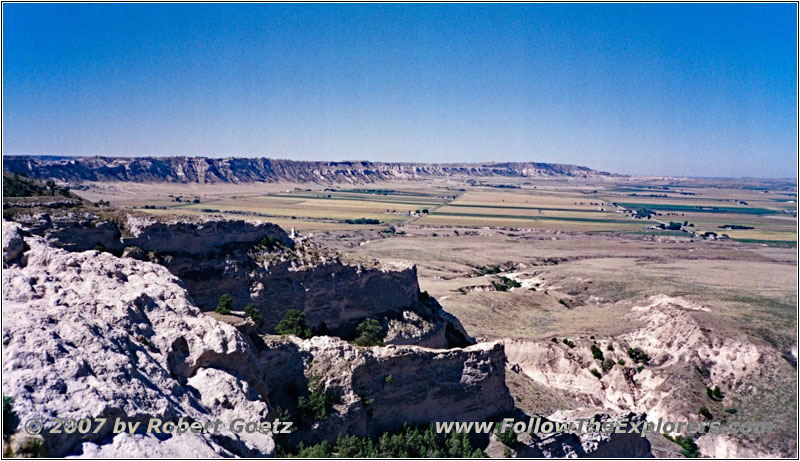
{"x":666,"y":89}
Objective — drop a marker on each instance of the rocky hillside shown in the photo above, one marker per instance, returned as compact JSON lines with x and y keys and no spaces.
{"x":89,"y":334}
{"x":206,"y":170}
{"x":104,"y":333}
{"x":260,"y":263}
{"x":668,"y":369}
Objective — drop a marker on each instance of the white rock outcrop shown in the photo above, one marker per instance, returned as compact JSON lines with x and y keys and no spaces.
{"x":89,"y":335}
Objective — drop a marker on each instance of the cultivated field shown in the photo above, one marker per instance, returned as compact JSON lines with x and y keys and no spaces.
{"x":748,"y":212}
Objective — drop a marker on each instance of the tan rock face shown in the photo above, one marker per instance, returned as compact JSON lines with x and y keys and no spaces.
{"x":685,"y":359}
{"x":381,"y":388}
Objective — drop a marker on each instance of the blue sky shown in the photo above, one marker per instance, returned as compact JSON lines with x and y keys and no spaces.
{"x":664,"y":89}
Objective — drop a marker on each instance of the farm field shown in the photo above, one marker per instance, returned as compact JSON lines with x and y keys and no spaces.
{"x":750,"y":213}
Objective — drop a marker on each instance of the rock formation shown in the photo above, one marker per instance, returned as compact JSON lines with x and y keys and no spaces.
{"x":259,"y":263}
{"x":90,"y":334}
{"x":206,"y":170}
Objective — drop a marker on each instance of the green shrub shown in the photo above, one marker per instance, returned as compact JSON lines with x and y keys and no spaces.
{"x":370,"y":333}
{"x":596,"y":352}
{"x":509,"y":437}
{"x":294,"y":323}
{"x":320,"y":450}
{"x":596,"y":373}
{"x":251,"y":311}
{"x":268,"y":242}
{"x":569,"y":343}
{"x":706,"y":413}
{"x":509,"y":282}
{"x":690,"y":449}
{"x":621,"y":362}
{"x":483,"y":270}
{"x":315,"y":406}
{"x":362,"y":221}
{"x":608,"y":364}
{"x":388,"y":379}
{"x":563,"y":302}
{"x":408,"y":442}
{"x":10,"y":419}
{"x":731,"y":410}
{"x":638,"y":356}
{"x":224,"y":305}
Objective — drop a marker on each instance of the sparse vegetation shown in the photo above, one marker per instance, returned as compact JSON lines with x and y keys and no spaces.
{"x":224,"y":305}
{"x":690,"y":448}
{"x":17,"y":185}
{"x":408,"y":442}
{"x":638,"y":356}
{"x":10,"y":419}
{"x":370,"y":333}
{"x":362,"y":221}
{"x":483,"y":270}
{"x":508,"y":437}
{"x":317,"y":404}
{"x":714,"y":394}
{"x":294,"y":323}
{"x":597,"y":354}
{"x":608,"y":364}
{"x":505,"y":284}
{"x":569,"y":343}
{"x":254,"y":314}
{"x":268,"y":242}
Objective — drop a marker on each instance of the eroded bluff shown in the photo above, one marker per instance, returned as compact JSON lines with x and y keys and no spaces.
{"x":260,"y":263}
{"x":90,"y":334}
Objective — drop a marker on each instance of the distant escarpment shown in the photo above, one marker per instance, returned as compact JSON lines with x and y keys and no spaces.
{"x":204,"y":170}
